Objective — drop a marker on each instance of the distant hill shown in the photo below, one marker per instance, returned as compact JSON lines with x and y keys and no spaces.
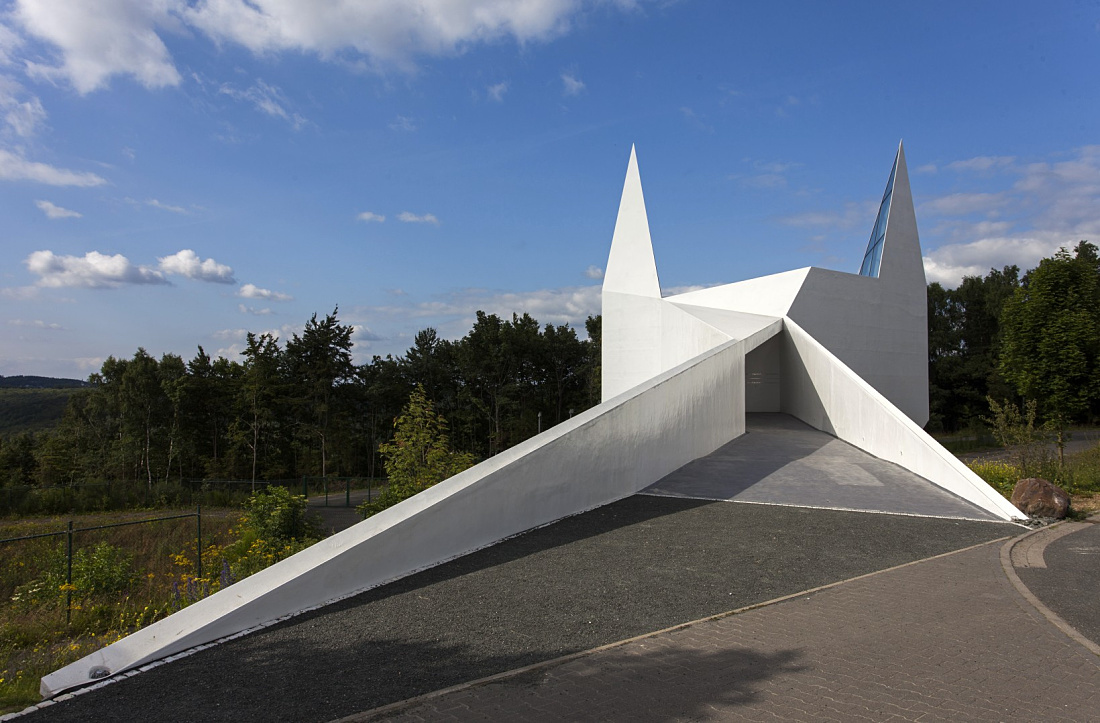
{"x":32,"y":410}
{"x":30,"y":382}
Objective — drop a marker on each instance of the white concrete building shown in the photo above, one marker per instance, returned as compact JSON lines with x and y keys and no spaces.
{"x":844,"y":353}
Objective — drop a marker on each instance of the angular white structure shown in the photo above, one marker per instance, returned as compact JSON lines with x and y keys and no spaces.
{"x":845,"y":353}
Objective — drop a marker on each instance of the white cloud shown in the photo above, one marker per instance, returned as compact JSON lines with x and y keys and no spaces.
{"x":407,"y":217}
{"x":23,"y":113}
{"x":388,"y":31}
{"x":267,"y":99}
{"x":948,"y":264}
{"x":254,"y":311}
{"x":982,"y":163}
{"x":854,"y":215}
{"x":96,"y":39}
{"x":164,"y":206}
{"x":1050,"y":205}
{"x":53,"y":211}
{"x":453,"y":314}
{"x":251,"y":291}
{"x":571,"y":85}
{"x":594,"y":272}
{"x":962,"y":204}
{"x":17,"y":168}
{"x":187,"y":263}
{"x":36,"y":324}
{"x":402,"y":123}
{"x":91,"y":271}
{"x":370,"y":216}
{"x":496,"y":92}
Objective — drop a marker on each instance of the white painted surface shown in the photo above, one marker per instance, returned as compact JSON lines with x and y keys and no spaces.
{"x":820,"y":390}
{"x":599,"y":456}
{"x":630,"y":265}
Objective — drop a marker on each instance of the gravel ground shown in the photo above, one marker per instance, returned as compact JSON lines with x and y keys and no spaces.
{"x":641,"y":564}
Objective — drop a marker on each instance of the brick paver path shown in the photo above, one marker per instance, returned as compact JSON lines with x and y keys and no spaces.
{"x":944,"y":639}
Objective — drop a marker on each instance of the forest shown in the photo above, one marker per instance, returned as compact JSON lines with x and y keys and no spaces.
{"x":303,"y":408}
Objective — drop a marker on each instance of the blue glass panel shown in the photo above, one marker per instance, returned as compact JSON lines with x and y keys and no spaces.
{"x":872,"y":258}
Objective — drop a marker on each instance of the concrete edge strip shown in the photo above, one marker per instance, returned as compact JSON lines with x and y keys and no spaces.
{"x":1022,"y":589}
{"x":374,"y":713}
{"x":1029,"y":552}
{"x":658,"y":493}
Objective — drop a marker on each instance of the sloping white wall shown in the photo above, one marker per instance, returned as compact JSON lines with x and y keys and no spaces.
{"x":876,"y":327}
{"x":599,"y":456}
{"x":820,"y":390}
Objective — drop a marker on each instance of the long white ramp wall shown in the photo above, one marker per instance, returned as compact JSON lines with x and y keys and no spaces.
{"x":820,"y":390}
{"x":606,"y":453}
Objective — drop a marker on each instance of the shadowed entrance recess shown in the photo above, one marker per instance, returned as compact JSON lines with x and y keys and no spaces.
{"x":780,"y":460}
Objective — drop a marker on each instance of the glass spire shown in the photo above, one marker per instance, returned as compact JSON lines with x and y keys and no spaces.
{"x":872,"y":259}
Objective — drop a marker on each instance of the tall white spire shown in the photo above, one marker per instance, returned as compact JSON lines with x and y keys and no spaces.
{"x":630,"y":266}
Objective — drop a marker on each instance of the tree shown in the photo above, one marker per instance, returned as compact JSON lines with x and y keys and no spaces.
{"x":1051,"y":327}
{"x":319,"y":362}
{"x":258,"y":394}
{"x":420,"y":454}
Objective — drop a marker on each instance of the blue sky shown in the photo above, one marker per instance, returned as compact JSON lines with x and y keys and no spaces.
{"x":178,"y":172}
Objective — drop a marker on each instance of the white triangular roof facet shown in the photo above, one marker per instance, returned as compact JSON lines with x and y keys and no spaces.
{"x":630,"y":266}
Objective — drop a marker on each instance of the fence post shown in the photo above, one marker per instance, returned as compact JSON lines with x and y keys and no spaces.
{"x":69,"y":578}
{"x":305,"y":487}
{"x":198,"y":540}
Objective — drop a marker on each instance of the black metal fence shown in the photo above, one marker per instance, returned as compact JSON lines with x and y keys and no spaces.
{"x":71,"y":531}
{"x":106,"y":496}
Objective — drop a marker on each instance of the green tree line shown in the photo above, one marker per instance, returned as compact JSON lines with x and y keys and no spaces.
{"x":303,"y":408}
{"x":1018,"y":338}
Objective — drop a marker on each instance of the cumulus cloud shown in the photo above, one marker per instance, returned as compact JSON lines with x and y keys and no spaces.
{"x":187,"y":263}
{"x":165,"y":206}
{"x":496,"y":92}
{"x":96,"y":39}
{"x":594,"y":272}
{"x":949,"y":264}
{"x":267,"y":99}
{"x":1048,"y":205}
{"x":370,"y":216}
{"x":54,"y":211}
{"x":251,"y":291}
{"x":389,"y":32}
{"x":91,"y":41}
{"x":407,"y":217}
{"x":16,"y":168}
{"x":571,"y":85}
{"x":91,"y":271}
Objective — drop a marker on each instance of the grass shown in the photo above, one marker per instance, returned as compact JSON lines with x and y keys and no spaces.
{"x":1079,"y":476}
{"x":124,"y":578}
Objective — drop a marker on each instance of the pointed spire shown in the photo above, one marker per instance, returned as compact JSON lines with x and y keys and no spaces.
{"x":901,"y":254}
{"x":630,"y":266}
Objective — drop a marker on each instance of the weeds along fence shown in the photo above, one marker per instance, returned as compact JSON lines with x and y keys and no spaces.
{"x":35,"y":573}
{"x":106,"y":496}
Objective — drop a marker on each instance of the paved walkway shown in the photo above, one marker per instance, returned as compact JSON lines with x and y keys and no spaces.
{"x":781,"y":460}
{"x":945,"y":639}
{"x":642,"y":564}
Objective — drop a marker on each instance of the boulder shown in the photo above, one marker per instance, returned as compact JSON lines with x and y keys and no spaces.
{"x":1037,"y":497}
